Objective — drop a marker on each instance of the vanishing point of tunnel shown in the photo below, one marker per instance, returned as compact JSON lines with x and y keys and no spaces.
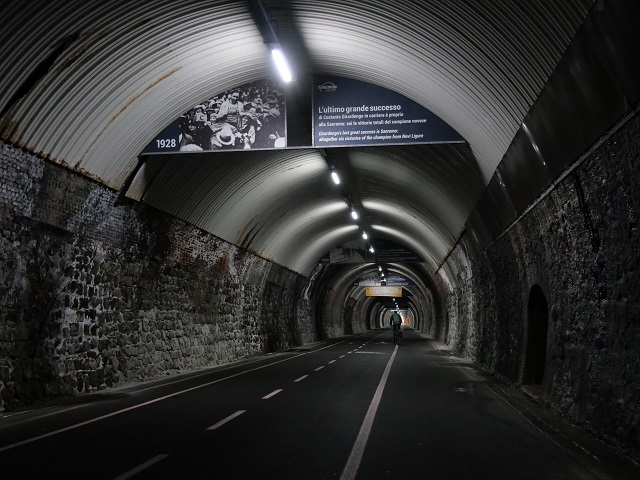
{"x":172,"y":200}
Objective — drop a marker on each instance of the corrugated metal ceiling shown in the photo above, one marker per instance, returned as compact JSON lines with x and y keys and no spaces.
{"x":89,"y":83}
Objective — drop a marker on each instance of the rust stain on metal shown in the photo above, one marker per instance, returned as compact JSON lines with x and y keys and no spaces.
{"x":100,"y":34}
{"x":243,"y":237}
{"x":63,"y":163}
{"x":9,"y":129}
{"x":124,"y":107}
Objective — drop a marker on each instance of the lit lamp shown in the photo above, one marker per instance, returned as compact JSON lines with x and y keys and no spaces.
{"x":281,"y":63}
{"x":270,"y":37}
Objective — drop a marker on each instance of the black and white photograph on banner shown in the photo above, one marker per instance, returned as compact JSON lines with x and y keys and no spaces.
{"x":252,"y":116}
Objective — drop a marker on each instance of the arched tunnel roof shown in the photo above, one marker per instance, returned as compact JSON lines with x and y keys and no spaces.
{"x":90,"y":84}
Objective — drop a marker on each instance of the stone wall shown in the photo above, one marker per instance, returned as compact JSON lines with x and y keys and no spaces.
{"x":581,"y":245}
{"x":94,"y":295}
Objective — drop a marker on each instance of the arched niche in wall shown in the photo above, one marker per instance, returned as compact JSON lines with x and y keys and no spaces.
{"x":535,"y":338}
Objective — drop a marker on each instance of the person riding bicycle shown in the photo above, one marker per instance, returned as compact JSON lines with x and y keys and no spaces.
{"x":396,"y":322}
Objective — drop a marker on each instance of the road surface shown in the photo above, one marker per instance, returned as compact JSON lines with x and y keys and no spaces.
{"x":353,"y":408}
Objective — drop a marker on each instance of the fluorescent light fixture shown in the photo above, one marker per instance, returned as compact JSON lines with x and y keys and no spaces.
{"x":336,"y":178}
{"x":364,"y":235}
{"x":281,"y":64}
{"x":354,"y":214}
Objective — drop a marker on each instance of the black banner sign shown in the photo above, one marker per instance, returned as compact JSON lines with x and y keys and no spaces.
{"x":348,"y":112}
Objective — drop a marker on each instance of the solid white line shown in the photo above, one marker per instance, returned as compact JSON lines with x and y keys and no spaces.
{"x":353,"y":463}
{"x":319,"y":368}
{"x":155,"y":400}
{"x":300,"y":379}
{"x":141,"y":467}
{"x":228,"y":419}
{"x":272,"y":394}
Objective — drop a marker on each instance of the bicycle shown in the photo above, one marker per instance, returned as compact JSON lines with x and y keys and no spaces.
{"x":397,"y":335}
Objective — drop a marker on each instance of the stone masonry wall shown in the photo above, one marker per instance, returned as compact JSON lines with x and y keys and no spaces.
{"x":94,"y":295}
{"x":581,"y":245}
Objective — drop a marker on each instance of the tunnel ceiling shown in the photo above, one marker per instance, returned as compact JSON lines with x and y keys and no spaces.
{"x":88,"y":84}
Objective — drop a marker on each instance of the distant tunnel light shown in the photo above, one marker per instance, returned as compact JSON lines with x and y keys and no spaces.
{"x":336,"y":178}
{"x":364,"y":235}
{"x":354,"y":214}
{"x":371,"y":250}
{"x":281,"y":64}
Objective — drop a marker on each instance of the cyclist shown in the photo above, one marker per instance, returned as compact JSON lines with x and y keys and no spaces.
{"x":395,"y":322}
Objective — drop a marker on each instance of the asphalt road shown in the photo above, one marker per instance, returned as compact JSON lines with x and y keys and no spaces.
{"x":355,"y":408}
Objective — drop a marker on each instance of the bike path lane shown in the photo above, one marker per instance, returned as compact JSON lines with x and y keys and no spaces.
{"x":178,"y":424}
{"x":440,"y":418}
{"x":305,"y":431}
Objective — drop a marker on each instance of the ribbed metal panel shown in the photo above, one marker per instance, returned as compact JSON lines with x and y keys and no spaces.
{"x":478,"y":65}
{"x":89,"y":83}
{"x":419,"y":195}
{"x":593,"y":86}
{"x":283,"y":206}
{"x":137,"y":65}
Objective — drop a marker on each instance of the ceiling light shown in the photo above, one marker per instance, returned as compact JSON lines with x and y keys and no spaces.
{"x":281,"y":64}
{"x":354,"y":214}
{"x":364,"y":235}
{"x":371,"y":249}
{"x":379,"y":268}
{"x":336,"y":178}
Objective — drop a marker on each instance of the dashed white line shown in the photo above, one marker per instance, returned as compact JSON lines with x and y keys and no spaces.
{"x":228,"y":419}
{"x":300,"y":379}
{"x":141,"y":467}
{"x":332,"y":361}
{"x":272,"y":394}
{"x":158,"y":399}
{"x":319,"y":368}
{"x":342,"y":356}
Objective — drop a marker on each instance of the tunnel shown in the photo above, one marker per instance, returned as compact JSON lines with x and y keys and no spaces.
{"x":138,"y":242}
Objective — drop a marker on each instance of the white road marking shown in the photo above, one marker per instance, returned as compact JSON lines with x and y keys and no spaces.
{"x":319,"y":368}
{"x":353,"y":463}
{"x":272,"y":394}
{"x":141,"y":467}
{"x":332,"y":361}
{"x":155,"y":400}
{"x":300,"y":379}
{"x":342,"y":356}
{"x":228,"y":419}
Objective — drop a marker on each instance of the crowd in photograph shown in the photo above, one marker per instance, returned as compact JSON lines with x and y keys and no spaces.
{"x":251,"y":116}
